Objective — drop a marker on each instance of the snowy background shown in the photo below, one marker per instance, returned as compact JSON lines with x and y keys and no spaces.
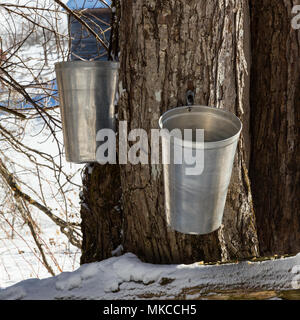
{"x":19,"y":257}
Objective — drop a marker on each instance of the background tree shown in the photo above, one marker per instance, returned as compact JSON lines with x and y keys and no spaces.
{"x":275,"y":107}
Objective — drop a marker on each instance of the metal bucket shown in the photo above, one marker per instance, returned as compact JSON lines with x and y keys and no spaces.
{"x":86,"y":93}
{"x":195,"y":203}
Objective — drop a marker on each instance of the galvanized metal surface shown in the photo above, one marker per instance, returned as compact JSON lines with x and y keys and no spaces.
{"x":86,"y":93}
{"x":195,"y":203}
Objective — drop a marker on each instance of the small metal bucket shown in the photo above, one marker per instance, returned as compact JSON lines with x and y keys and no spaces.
{"x":195,"y":203}
{"x":86,"y":93}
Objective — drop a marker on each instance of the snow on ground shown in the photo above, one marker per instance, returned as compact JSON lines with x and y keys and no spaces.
{"x":19,"y":257}
{"x":31,"y":64}
{"x":126,"y":277}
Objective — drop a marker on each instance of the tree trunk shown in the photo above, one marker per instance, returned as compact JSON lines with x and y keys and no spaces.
{"x":167,"y":48}
{"x":275,"y":106}
{"x":100,"y":212}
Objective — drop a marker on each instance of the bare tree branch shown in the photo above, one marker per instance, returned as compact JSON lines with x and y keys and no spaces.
{"x":77,"y":17}
{"x":27,"y":217}
{"x":15,"y":113}
{"x":66,"y":228}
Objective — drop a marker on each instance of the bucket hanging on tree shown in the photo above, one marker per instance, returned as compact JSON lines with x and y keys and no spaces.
{"x":86,"y":93}
{"x":195,"y":203}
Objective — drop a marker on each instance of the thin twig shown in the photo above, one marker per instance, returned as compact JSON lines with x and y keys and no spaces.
{"x":77,"y":17}
{"x":65,"y":227}
{"x":15,"y":113}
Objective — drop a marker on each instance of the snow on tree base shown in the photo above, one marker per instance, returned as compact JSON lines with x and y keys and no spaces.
{"x":126,"y":277}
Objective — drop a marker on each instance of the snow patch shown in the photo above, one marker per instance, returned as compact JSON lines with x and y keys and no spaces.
{"x":127,"y":277}
{"x":15,"y":293}
{"x":90,"y":169}
{"x":121,"y":89}
{"x":158,"y":96}
{"x":90,"y":271}
{"x":118,"y":251}
{"x":70,"y":283}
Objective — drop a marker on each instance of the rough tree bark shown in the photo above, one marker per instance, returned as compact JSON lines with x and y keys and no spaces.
{"x":100,"y":212}
{"x":167,"y":48}
{"x":275,"y":107}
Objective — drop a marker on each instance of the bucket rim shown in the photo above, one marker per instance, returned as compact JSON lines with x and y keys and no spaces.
{"x":209,"y":144}
{"x":87,"y":64}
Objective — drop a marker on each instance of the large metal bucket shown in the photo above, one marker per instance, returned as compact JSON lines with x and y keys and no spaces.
{"x":195,"y":203}
{"x":86,"y":93}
